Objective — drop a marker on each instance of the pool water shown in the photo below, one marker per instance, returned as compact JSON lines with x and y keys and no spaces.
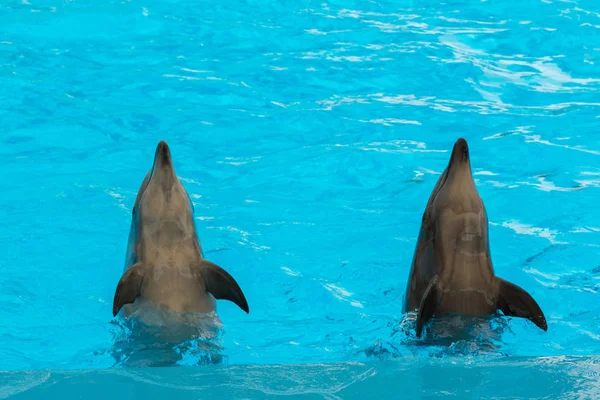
{"x":309,"y":136}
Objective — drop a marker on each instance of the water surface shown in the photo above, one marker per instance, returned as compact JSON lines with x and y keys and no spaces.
{"x":309,"y":136}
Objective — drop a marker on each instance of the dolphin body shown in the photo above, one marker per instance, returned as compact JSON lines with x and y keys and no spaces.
{"x":452,"y":268}
{"x":164,"y":264}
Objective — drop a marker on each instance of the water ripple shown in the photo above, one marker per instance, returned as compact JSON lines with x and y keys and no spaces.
{"x":309,"y":138}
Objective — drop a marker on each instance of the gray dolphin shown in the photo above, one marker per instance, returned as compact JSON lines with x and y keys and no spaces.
{"x":164,"y":263}
{"x":452,"y":268}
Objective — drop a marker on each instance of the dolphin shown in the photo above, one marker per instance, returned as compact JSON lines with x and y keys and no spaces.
{"x":164,"y":264}
{"x":452,"y":268}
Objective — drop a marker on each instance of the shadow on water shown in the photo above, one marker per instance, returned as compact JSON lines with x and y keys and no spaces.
{"x":152,"y":337}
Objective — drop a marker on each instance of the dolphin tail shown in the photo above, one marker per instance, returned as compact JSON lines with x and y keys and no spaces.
{"x":222,"y":285}
{"x":129,"y":287}
{"x":429,"y":303}
{"x":516,"y":302}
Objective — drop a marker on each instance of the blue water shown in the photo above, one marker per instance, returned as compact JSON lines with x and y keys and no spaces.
{"x":309,"y":136}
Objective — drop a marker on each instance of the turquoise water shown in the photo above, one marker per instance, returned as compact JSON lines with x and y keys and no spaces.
{"x":309,"y":136}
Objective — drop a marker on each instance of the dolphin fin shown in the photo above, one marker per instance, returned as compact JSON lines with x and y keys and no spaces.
{"x":129,"y":287}
{"x":428,"y":305}
{"x":516,"y":302}
{"x":222,"y":285}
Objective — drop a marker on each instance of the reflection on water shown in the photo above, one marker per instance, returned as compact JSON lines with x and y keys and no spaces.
{"x":158,"y":337}
{"x":446,"y":335}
